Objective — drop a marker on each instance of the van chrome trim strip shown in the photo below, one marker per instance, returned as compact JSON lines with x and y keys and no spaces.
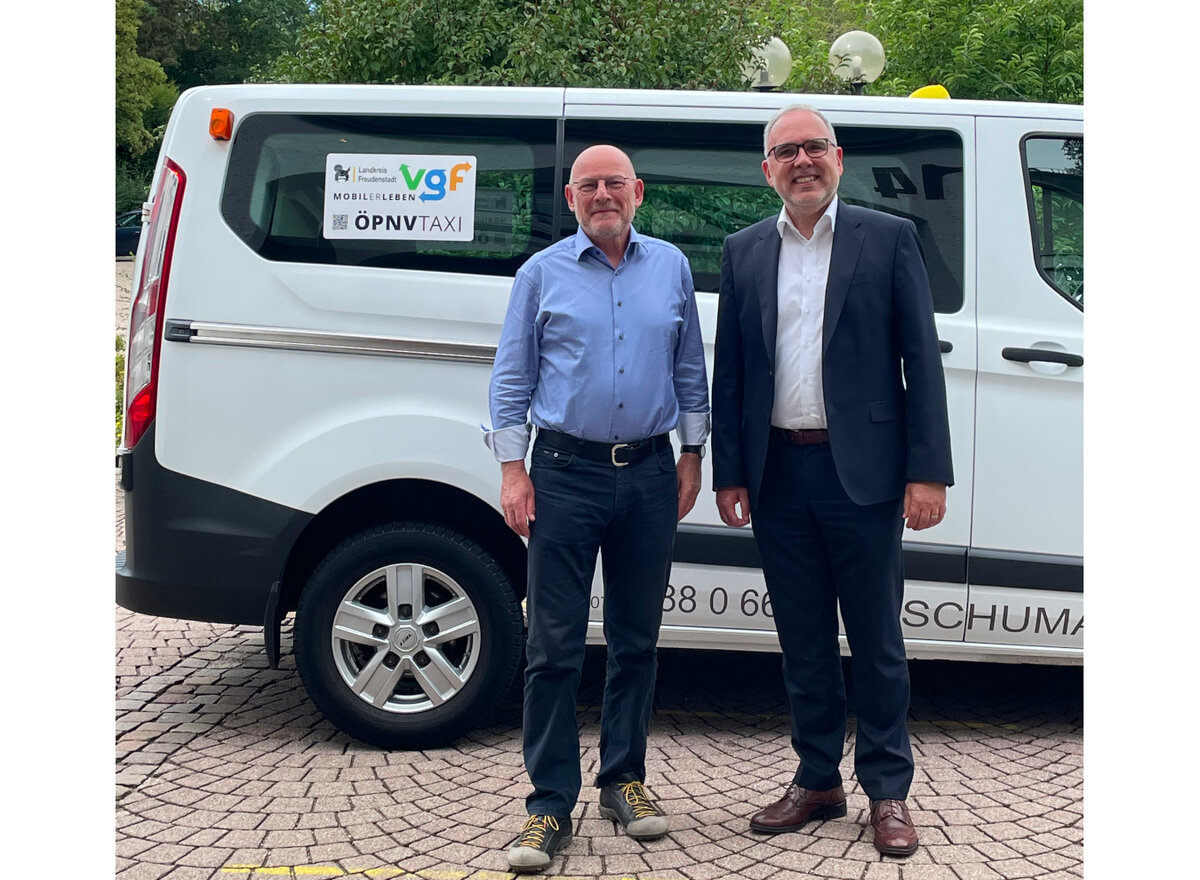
{"x":250,"y":336}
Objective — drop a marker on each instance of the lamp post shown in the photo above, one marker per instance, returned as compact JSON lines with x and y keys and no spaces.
{"x":771,"y":67}
{"x":856,"y":57}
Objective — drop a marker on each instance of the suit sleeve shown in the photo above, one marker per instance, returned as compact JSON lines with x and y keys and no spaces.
{"x":729,"y":466}
{"x":926,"y":419}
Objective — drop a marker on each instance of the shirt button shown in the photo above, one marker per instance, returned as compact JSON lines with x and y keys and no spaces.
{"x":619,"y":302}
{"x":622,"y":370}
{"x":620,"y":336}
{"x":620,"y":406}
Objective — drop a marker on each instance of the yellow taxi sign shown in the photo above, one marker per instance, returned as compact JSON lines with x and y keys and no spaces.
{"x":933,"y":91}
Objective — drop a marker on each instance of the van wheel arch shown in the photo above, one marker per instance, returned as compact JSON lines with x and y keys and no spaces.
{"x":393,"y":500}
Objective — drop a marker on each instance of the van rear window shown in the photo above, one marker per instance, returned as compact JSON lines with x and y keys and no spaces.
{"x":274,"y":193}
{"x":1054,"y":185}
{"x":705,"y":181}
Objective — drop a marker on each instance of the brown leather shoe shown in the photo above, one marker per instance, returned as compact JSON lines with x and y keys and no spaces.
{"x":798,"y":806}
{"x":894,"y":831}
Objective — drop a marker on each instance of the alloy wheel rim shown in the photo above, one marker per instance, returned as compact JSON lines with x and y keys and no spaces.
{"x":405,"y":638}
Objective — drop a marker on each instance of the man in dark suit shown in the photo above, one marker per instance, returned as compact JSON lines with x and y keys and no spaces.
{"x":830,"y":427}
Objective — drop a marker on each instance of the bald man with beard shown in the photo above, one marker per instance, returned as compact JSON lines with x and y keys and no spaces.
{"x":600,"y":352}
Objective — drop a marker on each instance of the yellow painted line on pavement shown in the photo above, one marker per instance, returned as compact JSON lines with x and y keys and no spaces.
{"x":390,"y":871}
{"x":704,"y":713}
{"x":335,"y":871}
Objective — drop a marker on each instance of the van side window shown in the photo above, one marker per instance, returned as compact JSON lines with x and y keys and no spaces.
{"x":274,"y":191}
{"x":705,"y":181}
{"x":1054,"y":183}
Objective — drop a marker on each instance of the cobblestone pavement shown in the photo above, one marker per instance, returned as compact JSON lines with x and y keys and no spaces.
{"x":224,"y":769}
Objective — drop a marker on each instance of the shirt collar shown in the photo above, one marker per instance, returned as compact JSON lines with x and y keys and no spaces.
{"x":830,"y":214}
{"x":582,"y":242}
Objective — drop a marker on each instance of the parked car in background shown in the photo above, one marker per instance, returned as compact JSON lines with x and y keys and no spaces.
{"x":129,"y":231}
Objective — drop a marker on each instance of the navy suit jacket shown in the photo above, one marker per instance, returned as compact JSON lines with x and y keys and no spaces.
{"x":885,"y":393}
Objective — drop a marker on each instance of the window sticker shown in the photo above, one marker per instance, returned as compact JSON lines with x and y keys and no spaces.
{"x":409,"y":197}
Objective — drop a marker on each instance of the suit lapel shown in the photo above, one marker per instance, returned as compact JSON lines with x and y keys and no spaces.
{"x":848,"y":238}
{"x":766,"y":277}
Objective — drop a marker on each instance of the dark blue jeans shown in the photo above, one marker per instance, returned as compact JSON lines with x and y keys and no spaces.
{"x":629,"y":515}
{"x":821,"y":551}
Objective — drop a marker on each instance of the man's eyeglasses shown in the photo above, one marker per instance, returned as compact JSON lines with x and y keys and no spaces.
{"x":589,"y":185}
{"x":814,"y":148}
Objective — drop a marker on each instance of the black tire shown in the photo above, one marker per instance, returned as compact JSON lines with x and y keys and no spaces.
{"x":421,"y":687}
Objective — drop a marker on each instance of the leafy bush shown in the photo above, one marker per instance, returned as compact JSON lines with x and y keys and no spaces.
{"x":120,"y":386}
{"x":133,"y":185}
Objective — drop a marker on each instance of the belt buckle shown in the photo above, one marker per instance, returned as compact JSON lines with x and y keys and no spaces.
{"x":613,"y":455}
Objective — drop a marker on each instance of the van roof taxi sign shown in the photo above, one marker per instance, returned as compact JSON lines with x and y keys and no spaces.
{"x":399,"y":196}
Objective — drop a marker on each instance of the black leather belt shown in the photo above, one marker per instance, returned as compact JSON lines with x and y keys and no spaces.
{"x":617,"y":454}
{"x":802,"y":436}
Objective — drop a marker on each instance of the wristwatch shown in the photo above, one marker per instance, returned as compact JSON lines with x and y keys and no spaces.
{"x":696,"y":450}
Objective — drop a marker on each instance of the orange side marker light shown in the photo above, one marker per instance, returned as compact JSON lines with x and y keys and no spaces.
{"x":220,"y":124}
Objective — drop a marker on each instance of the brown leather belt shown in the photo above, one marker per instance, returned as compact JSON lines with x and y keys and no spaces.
{"x":803,"y":436}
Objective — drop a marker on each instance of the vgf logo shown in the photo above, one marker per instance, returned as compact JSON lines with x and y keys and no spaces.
{"x":425,"y":184}
{"x":436,"y":180}
{"x":420,"y":196}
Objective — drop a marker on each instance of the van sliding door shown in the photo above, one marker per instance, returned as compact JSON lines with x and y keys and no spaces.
{"x":1026,"y":561}
{"x":703,"y":177}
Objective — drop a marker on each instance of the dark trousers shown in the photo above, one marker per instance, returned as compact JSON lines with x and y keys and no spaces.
{"x":820,"y":551}
{"x":629,"y":514}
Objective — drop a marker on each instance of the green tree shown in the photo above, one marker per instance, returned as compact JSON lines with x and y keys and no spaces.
{"x":144,"y":98}
{"x":1016,"y":50}
{"x":169,"y":27}
{"x":700,"y":44}
{"x":205,"y":42}
{"x":140,"y":84}
{"x":179,"y":44}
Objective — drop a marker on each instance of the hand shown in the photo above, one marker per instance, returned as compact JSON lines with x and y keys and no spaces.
{"x":924,"y":505}
{"x":687,"y":473}
{"x":516,"y":497}
{"x":728,"y":501}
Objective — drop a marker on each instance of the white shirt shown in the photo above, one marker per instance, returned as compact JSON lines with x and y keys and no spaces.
{"x":803,"y":274}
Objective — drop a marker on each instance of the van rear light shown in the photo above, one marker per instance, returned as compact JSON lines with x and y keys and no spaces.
{"x":145,"y":330}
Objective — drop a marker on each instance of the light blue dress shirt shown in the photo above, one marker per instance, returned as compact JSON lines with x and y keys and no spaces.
{"x":612,"y":355}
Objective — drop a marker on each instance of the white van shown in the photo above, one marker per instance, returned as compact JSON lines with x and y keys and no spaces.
{"x":317,"y":301}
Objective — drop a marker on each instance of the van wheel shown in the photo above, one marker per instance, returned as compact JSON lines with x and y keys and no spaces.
{"x":408,"y":635}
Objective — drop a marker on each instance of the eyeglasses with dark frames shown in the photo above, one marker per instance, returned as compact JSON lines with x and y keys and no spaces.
{"x":814,"y":148}
{"x":589,"y":185}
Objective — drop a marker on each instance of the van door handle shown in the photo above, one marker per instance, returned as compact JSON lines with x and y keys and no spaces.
{"x":945,"y":347}
{"x":1027,"y":355}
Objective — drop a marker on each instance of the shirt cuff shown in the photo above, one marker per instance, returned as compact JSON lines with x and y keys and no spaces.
{"x":508,"y":444}
{"x":692,"y":428}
